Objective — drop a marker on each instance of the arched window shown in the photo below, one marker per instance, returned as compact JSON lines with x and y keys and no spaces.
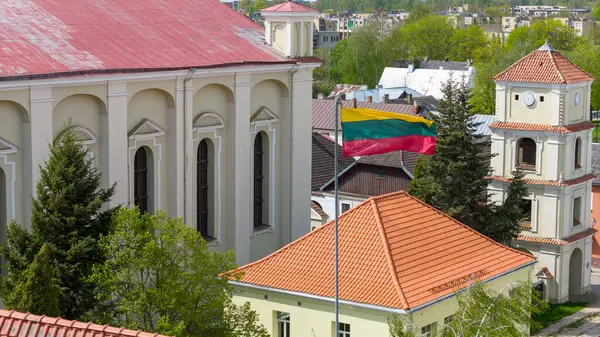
{"x":526,"y":155}
{"x":140,"y":180}
{"x":578,"y":153}
{"x":261,"y":180}
{"x":202,"y":189}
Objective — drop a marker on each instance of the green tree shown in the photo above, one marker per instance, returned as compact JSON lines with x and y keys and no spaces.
{"x":587,"y":56}
{"x":337,"y":54}
{"x":429,"y":36}
{"x":595,"y":13}
{"x":259,"y":5}
{"x":37,"y":291}
{"x":160,"y":277}
{"x":560,"y":36}
{"x":470,"y":43}
{"x":454,"y":181}
{"x":69,"y":216}
{"x":485,"y":312}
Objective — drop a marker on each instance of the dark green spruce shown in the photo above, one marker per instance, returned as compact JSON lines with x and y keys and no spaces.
{"x":454,"y":179}
{"x":69,"y":215}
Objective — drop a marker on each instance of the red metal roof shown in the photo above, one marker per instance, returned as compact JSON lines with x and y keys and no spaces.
{"x":17,"y":324}
{"x":544,"y":65}
{"x":289,"y":6}
{"x":66,"y":36}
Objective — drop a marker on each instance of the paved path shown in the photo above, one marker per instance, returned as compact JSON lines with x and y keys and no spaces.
{"x":591,"y":325}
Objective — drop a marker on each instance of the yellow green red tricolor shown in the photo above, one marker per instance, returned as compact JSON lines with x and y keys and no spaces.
{"x":367,"y":132}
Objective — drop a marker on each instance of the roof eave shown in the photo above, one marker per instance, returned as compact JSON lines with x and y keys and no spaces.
{"x":321,"y":298}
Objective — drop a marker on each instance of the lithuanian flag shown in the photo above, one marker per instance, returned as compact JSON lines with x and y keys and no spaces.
{"x":367,"y":132}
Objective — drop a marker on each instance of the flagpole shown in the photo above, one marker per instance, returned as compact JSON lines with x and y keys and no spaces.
{"x":335,"y":172}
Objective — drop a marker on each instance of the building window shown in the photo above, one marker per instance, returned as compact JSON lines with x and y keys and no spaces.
{"x":260,"y":183}
{"x":578,"y":153}
{"x":203,"y":190}
{"x":448,"y":320}
{"x":345,"y":207}
{"x":577,"y":211}
{"x":516,"y":97}
{"x":283,"y":324}
{"x":343,"y":330}
{"x":526,"y":154}
{"x":380,"y":174}
{"x":541,"y":98}
{"x":140,"y":180}
{"x":428,"y":330}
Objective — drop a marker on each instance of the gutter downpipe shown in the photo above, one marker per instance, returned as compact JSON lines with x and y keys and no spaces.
{"x":292,"y":73}
{"x":189,"y":77}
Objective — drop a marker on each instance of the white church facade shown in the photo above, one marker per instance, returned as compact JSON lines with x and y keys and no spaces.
{"x":543,"y":128}
{"x":217,"y":132}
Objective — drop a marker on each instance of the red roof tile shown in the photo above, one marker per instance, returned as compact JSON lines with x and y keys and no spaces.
{"x":547,"y":182}
{"x":542,"y":127}
{"x":395,"y":251}
{"x":559,"y":242}
{"x":544,"y":65}
{"x":65,"y":36}
{"x":17,"y":324}
{"x":289,"y":6}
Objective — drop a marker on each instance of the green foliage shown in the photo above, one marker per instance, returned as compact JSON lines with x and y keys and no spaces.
{"x":470,"y":43}
{"x":560,"y":36}
{"x":555,"y":313}
{"x":586,"y":55}
{"x":68,"y":217}
{"x":259,"y":5}
{"x":37,"y":291}
{"x":453,"y":180}
{"x":429,"y":36}
{"x":160,"y":277}
{"x":485,"y":312}
{"x":595,"y":13}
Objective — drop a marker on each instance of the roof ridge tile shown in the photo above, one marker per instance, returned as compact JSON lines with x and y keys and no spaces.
{"x":386,"y":250}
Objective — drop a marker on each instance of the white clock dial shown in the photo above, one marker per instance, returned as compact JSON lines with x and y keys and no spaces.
{"x":577,"y":98}
{"x":528,"y":98}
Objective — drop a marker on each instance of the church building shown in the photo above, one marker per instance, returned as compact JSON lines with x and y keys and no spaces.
{"x":188,"y":106}
{"x":543,"y":128}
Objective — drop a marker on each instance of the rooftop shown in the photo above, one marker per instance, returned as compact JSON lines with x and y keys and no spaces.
{"x":289,"y":6}
{"x":428,"y":82}
{"x":544,"y":65}
{"x":323,"y":163}
{"x":17,"y":324}
{"x":66,"y":37}
{"x":394,"y":252}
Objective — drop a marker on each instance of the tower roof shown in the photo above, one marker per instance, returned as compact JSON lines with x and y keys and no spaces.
{"x":395,"y":252}
{"x":289,"y":6}
{"x":544,"y":65}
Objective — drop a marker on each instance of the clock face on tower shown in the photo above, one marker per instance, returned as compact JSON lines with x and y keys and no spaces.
{"x":577,"y":98}
{"x":528,"y":98}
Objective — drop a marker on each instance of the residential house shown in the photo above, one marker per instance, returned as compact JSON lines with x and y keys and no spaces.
{"x":549,"y":10}
{"x":326,"y":39}
{"x":543,"y":127}
{"x":397,"y":255}
{"x":203,"y":133}
{"x":340,"y":90}
{"x":428,"y":82}
{"x":581,"y":26}
{"x":13,"y":323}
{"x":509,"y":23}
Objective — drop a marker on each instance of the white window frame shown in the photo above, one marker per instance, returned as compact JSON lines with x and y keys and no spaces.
{"x":534,"y":211}
{"x":340,"y":332}
{"x":514,"y":149}
{"x":428,"y":330}
{"x":201,"y":130}
{"x":577,"y":194}
{"x":286,"y":332}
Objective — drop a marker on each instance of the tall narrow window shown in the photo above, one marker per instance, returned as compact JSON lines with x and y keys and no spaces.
{"x":526,"y":154}
{"x":258,"y":180}
{"x":283,"y":324}
{"x":578,"y":153}
{"x":577,"y":211}
{"x":202,"y":189}
{"x":140,"y":180}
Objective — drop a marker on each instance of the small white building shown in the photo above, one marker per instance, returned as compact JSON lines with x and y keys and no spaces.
{"x":543,"y":127}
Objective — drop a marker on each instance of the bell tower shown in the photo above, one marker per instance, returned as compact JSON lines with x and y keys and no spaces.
{"x":543,"y":128}
{"x":289,"y":28}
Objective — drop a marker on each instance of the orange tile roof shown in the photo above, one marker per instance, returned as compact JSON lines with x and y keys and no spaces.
{"x":543,"y":66}
{"x":545,"y":273}
{"x":17,"y":324}
{"x":547,"y":182}
{"x":395,"y":252}
{"x":559,"y":242}
{"x":542,"y":127}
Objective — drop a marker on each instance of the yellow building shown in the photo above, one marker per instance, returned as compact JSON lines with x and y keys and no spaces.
{"x":543,"y":128}
{"x":396,"y":255}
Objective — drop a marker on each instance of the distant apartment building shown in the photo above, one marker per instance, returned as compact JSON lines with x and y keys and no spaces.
{"x":546,"y":11}
{"x":581,"y":26}
{"x":509,"y":23}
{"x":326,"y":40}
{"x":464,"y":20}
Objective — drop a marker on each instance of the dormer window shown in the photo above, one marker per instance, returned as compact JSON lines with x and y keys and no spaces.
{"x":526,"y":154}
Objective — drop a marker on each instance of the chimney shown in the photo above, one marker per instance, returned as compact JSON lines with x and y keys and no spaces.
{"x":343,"y":97}
{"x":411,"y":67}
{"x":320,"y":95}
{"x":370,"y":99}
{"x":409,"y":99}
{"x":386,"y":98}
{"x":354,"y":102}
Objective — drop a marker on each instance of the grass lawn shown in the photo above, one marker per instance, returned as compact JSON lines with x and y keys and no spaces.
{"x":558,"y":312}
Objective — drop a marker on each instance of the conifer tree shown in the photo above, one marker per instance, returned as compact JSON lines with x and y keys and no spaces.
{"x":453,"y":180}
{"x":69,"y":215}
{"x":37,"y":291}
